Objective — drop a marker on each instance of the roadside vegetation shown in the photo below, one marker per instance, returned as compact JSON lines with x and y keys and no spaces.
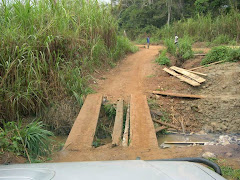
{"x":163,"y":59}
{"x":30,"y":140}
{"x":222,"y":53}
{"x":227,"y":171}
{"x":48,"y":51}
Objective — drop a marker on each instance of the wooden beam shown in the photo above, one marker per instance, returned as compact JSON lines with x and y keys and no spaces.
{"x":181,"y":142}
{"x":179,"y":95}
{"x":199,"y":54}
{"x":118,"y":125}
{"x":188,"y":74}
{"x":126,"y":130}
{"x":198,"y":73}
{"x":206,"y":65}
{"x":189,"y":81}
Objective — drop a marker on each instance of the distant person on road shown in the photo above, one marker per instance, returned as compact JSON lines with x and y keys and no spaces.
{"x":148,"y":42}
{"x":176,"y":40}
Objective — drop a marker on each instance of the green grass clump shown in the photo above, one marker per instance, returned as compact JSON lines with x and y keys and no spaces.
{"x":227,"y":172}
{"x":15,"y":137}
{"x":163,"y":59}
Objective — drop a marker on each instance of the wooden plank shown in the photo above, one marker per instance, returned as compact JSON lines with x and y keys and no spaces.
{"x":179,"y":95}
{"x":181,"y":142}
{"x":206,"y":65}
{"x":198,"y":73}
{"x":189,"y":81}
{"x":188,"y":74}
{"x":118,"y":125}
{"x":142,"y":132}
{"x":84,"y":127}
{"x":199,"y":54}
{"x":126,"y":130}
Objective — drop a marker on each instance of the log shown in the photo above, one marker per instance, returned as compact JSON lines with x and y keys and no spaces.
{"x":158,"y":129}
{"x":206,"y":65}
{"x":179,"y":95}
{"x":126,"y":130}
{"x":188,"y":74}
{"x":189,"y":81}
{"x":167,"y":124}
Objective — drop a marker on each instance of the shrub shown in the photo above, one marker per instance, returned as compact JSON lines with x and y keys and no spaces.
{"x":15,"y":137}
{"x":185,"y":48}
{"x":171,"y":47}
{"x":216,"y":54}
{"x":234,"y":55}
{"x":221,"y":39}
{"x":162,"y":59}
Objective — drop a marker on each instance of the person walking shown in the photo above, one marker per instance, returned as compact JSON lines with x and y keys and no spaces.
{"x":148,"y":42}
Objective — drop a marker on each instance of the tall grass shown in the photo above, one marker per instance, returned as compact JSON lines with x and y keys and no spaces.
{"x":206,"y":28}
{"x":47,"y":50}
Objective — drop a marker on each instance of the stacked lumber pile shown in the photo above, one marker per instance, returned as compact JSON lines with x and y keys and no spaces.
{"x":187,"y":76}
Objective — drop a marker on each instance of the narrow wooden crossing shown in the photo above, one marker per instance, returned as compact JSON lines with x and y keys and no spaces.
{"x":118,"y":125}
{"x":142,"y":132}
{"x":83,"y":130}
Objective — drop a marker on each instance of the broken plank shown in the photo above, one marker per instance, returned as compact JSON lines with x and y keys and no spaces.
{"x":179,"y":95}
{"x":188,"y":74}
{"x":118,"y":125}
{"x":84,"y":127}
{"x":126,"y":130}
{"x":189,"y":81}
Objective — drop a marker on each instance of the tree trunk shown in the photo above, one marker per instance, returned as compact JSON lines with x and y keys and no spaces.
{"x":169,"y":4}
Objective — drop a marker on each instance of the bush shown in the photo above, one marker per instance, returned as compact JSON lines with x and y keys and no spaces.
{"x":185,"y":48}
{"x":15,"y":137}
{"x":234,"y":55}
{"x":221,"y":39}
{"x":162,"y":59}
{"x":171,"y":47}
{"x":216,"y":54}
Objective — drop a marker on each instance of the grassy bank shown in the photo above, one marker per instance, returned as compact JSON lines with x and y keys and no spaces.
{"x":48,"y":49}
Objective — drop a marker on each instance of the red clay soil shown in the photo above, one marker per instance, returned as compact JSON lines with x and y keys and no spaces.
{"x":130,"y":76}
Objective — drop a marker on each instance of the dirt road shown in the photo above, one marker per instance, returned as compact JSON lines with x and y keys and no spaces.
{"x":130,"y":76}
